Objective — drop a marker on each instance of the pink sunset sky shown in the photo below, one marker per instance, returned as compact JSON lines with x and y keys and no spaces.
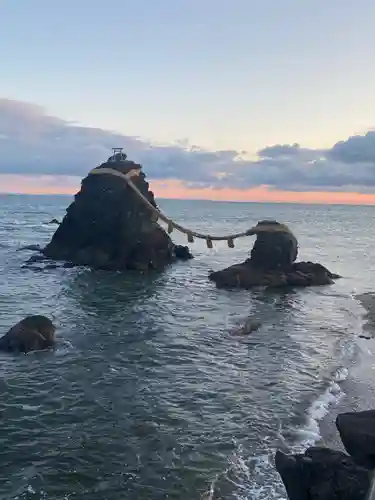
{"x":176,"y":190}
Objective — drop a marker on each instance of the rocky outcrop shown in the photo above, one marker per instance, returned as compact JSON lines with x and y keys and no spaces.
{"x":31,"y":334}
{"x":325,"y":474}
{"x":322,"y":474}
{"x":272,"y":263}
{"x":109,"y":227}
{"x":357,"y":433}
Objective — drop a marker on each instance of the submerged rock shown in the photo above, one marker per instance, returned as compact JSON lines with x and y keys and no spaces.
{"x":109,"y":227}
{"x":31,"y":334}
{"x":33,"y":248}
{"x":322,"y":474}
{"x":272,"y":263}
{"x":250,"y":326}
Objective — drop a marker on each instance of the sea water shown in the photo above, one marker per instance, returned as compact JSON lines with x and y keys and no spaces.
{"x":149,"y":395}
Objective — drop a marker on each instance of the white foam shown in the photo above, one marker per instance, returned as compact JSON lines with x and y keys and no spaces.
{"x":254,"y":479}
{"x":268,"y":483}
{"x":310,"y":433}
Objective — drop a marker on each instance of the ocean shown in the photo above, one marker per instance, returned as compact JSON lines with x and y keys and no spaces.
{"x":148,"y":394}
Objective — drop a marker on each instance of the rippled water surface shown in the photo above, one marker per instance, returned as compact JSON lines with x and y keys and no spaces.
{"x":148,"y":395}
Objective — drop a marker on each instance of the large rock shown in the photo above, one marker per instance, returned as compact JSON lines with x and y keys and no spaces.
{"x":31,"y":334}
{"x":272,"y":263}
{"x":322,"y":474}
{"x":357,"y":432}
{"x":109,"y":227}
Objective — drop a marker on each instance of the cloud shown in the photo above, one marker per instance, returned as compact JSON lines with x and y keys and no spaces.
{"x":34,"y":143}
{"x":356,"y":149}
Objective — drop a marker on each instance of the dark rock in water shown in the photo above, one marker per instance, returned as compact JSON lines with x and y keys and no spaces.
{"x":250,"y":326}
{"x":68,"y":265}
{"x":357,"y":432}
{"x":33,"y":248}
{"x":51,"y":266}
{"x":31,"y":334}
{"x":182,"y":252}
{"x":272,"y":263}
{"x":109,"y":227}
{"x":247,"y":276}
{"x":54,"y":221}
{"x":32,"y":268}
{"x":35,"y":258}
{"x":273,"y":248}
{"x":322,"y":474}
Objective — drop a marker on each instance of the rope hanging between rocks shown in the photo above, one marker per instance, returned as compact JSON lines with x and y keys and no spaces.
{"x":157,"y":214}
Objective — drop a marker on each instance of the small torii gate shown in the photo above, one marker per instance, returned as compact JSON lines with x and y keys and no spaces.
{"x":118,"y":155}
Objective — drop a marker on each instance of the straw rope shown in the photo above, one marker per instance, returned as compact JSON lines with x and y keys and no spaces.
{"x":173,"y":225}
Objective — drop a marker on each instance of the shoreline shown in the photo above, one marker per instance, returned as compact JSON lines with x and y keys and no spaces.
{"x":324,"y":467}
{"x":358,"y":389}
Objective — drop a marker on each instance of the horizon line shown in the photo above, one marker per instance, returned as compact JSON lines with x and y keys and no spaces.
{"x":255,"y":202}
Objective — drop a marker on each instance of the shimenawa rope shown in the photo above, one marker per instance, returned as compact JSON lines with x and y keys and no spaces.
{"x":173,"y":225}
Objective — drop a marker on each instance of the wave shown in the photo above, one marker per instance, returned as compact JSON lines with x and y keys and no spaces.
{"x":310,"y":433}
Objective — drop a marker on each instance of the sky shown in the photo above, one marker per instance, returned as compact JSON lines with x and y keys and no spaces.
{"x":248,"y":100}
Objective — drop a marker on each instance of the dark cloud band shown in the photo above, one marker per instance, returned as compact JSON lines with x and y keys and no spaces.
{"x":33,"y":143}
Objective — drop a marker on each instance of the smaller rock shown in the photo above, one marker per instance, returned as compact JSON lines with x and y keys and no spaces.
{"x":275,"y":246}
{"x":357,"y":432}
{"x":32,"y":268}
{"x":54,"y":221}
{"x":33,"y":248}
{"x":36,"y":258}
{"x":51,"y":266}
{"x":69,"y":265}
{"x":31,"y":334}
{"x":272,"y":263}
{"x":249,"y":326}
{"x":182,"y":252}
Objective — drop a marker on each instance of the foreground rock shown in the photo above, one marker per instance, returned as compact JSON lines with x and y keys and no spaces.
{"x":322,"y":474}
{"x":31,"y":334}
{"x":109,"y":227}
{"x":272,"y":263}
{"x":325,"y":474}
{"x":357,"y":432}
